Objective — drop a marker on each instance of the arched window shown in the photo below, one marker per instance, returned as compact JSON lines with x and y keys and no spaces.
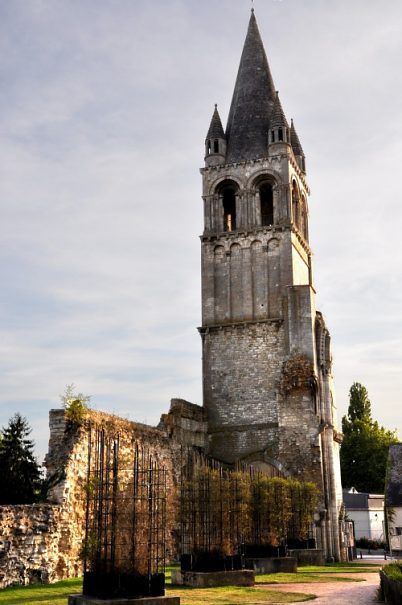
{"x":267,"y":204}
{"x":304,"y":220}
{"x":229,"y":208}
{"x":295,"y":205}
{"x":216,"y":146}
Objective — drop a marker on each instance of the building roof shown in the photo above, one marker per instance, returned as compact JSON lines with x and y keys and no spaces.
{"x":295,"y":141}
{"x":252,"y":102}
{"x":354,"y":500}
{"x":215,"y":130}
{"x":393,"y":489}
{"x":278,"y":118}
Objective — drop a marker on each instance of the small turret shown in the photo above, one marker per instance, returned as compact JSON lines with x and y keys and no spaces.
{"x":279,"y":131}
{"x":297,"y":148}
{"x":215,"y":142}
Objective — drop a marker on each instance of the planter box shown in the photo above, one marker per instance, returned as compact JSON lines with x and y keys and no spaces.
{"x":272,"y":564}
{"x":241,"y":577}
{"x":391,"y":589}
{"x":83,"y":600}
{"x":115,"y":585}
{"x":308,"y":556}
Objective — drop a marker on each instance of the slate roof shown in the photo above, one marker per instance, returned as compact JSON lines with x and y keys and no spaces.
{"x":278,"y":118}
{"x":215,"y":130}
{"x":252,"y":102}
{"x":295,"y":141}
{"x":393,"y":489}
{"x":355,"y":501}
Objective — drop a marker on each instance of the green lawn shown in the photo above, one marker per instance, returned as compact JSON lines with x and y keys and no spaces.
{"x":341,"y":568}
{"x":56,"y":594}
{"x":316,"y":573}
{"x":41,"y":594}
{"x":234,"y":595}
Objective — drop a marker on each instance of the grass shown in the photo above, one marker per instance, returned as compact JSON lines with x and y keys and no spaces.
{"x":341,"y":568}
{"x":300,"y":577}
{"x":56,"y":594}
{"x":393,"y":570}
{"x":234,"y":595}
{"x":41,"y":594}
{"x":318,"y":574}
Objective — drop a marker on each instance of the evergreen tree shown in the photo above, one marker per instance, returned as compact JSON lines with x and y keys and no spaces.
{"x":20,"y":477}
{"x":364,"y":450}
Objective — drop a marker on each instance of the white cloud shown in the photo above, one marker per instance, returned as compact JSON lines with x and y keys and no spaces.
{"x":103,"y":116}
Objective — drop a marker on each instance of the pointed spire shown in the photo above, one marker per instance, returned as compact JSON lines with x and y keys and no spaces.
{"x":252,"y":101}
{"x":278,"y":118}
{"x":215,"y":128}
{"x":215,"y":143}
{"x":297,"y":148}
{"x":295,"y":141}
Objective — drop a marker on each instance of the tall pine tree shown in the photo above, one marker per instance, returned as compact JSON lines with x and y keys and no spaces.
{"x":20,"y":478}
{"x":364,"y":450}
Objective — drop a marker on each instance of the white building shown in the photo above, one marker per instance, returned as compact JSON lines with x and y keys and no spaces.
{"x":367,"y":513}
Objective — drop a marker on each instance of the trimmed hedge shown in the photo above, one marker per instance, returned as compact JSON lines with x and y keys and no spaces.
{"x":391,"y":583}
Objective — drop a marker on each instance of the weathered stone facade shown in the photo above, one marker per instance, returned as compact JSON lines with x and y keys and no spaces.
{"x":30,"y":540}
{"x":268,"y":389}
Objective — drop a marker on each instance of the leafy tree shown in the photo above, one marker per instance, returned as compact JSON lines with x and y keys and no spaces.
{"x":359,"y":405}
{"x":20,"y":477}
{"x":364,"y":450}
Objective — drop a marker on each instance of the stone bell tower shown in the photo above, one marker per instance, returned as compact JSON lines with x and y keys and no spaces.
{"x":266,"y":351}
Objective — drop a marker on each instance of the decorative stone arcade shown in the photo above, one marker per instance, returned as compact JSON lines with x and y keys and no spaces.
{"x":267,"y":380}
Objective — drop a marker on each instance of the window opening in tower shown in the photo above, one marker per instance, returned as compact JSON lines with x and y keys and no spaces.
{"x":229,"y":209}
{"x":267,"y":204}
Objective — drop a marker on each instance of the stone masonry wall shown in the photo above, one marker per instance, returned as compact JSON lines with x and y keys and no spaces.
{"x":30,"y":540}
{"x":242,"y":365}
{"x":42,"y":542}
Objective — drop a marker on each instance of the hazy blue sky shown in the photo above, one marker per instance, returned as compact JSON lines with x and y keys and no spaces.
{"x":104,"y":108}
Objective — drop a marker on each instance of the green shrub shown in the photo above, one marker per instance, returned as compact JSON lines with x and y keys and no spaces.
{"x":370,"y":544}
{"x":393,"y":570}
{"x":75,"y":405}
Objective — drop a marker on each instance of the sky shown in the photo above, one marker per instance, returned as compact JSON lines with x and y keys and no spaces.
{"x":104,"y":108}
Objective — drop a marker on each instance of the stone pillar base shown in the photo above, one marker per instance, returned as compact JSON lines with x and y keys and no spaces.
{"x":308,"y":556}
{"x":84,"y":600}
{"x":272,"y":564}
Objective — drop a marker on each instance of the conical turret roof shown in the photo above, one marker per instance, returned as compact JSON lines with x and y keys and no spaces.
{"x":252,"y":101}
{"x":278,"y":118}
{"x":215,"y":128}
{"x":295,"y":141}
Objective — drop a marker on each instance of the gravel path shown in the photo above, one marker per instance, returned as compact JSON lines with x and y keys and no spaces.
{"x":340,"y":593}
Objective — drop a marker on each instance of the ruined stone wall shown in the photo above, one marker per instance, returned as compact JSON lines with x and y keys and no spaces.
{"x":300,"y":450}
{"x":42,"y":542}
{"x":30,"y":542}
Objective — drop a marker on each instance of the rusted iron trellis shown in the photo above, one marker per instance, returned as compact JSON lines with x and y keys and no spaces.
{"x":230,"y":512}
{"x":124,"y":549}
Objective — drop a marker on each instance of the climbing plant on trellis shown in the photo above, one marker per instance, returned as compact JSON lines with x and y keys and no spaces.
{"x":228,"y":512}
